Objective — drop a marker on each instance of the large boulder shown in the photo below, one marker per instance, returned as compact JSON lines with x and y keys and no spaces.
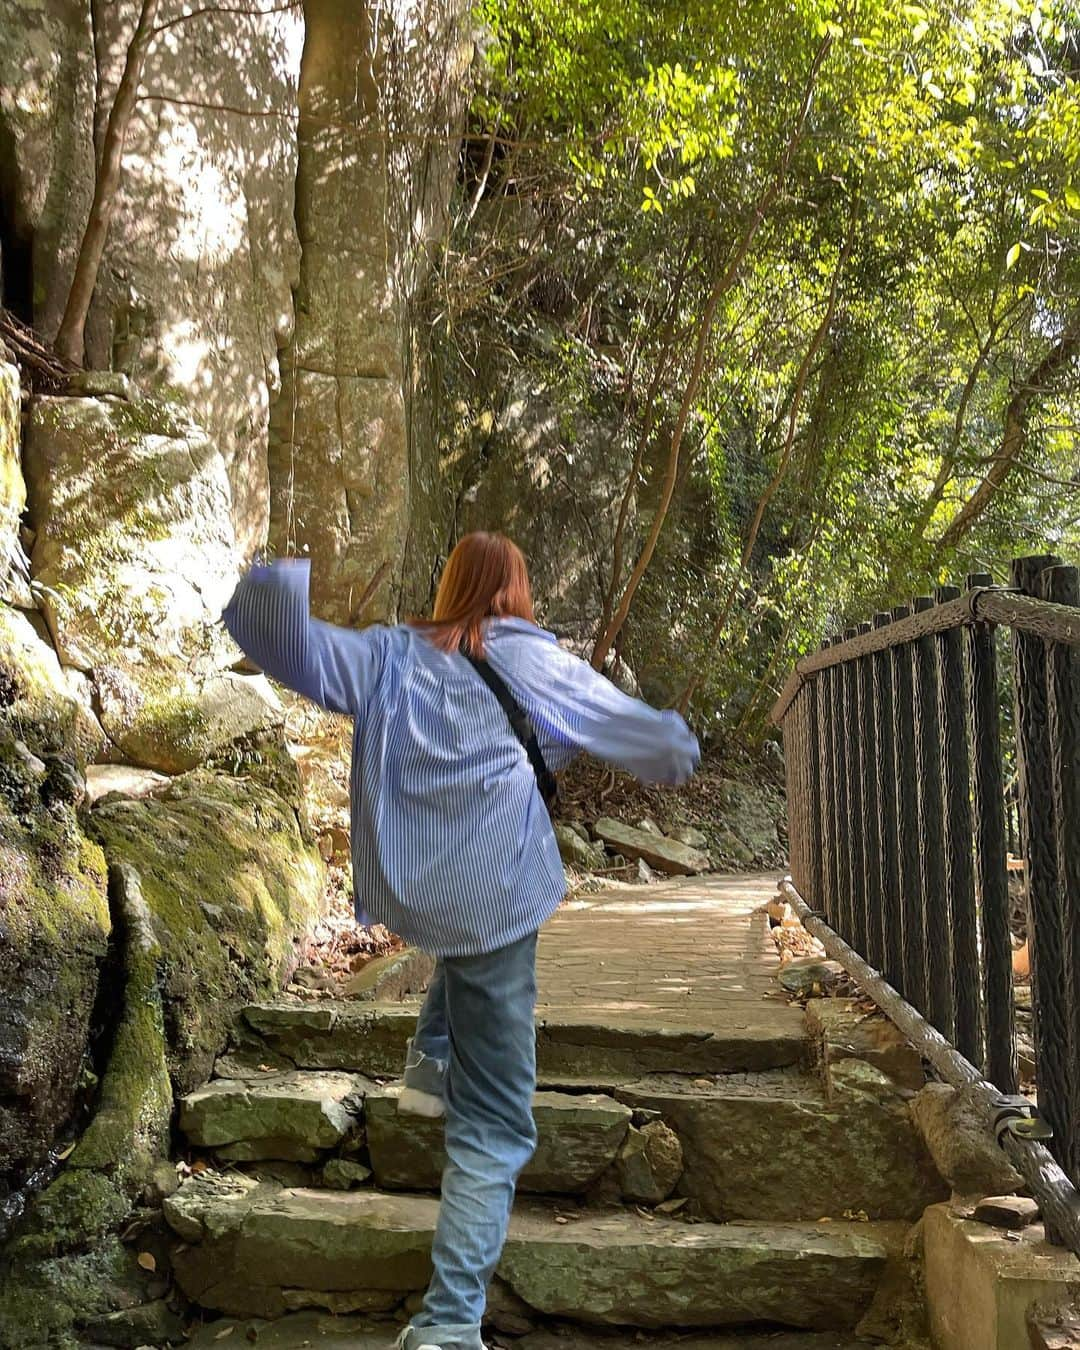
{"x":666,"y":855}
{"x":135,"y":550}
{"x":171,"y":723}
{"x":55,"y":930}
{"x":231,"y":885}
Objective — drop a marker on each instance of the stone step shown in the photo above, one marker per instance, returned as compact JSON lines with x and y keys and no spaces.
{"x":288,"y":1117}
{"x":746,"y":1139}
{"x":604,"y":1050}
{"x":579,"y":1137}
{"x":302,"y":1116}
{"x":774,"y":1147}
{"x":256,"y":1249}
{"x":330,"y":1332}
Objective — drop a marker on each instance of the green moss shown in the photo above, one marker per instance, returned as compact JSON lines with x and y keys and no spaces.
{"x":230,"y":883}
{"x":130,"y":1128}
{"x":42,"y":1302}
{"x":75,"y":1211}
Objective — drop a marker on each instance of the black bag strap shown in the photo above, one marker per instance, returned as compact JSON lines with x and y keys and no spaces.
{"x":520,"y":725}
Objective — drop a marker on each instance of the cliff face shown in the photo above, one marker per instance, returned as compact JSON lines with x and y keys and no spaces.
{"x":250,"y":380}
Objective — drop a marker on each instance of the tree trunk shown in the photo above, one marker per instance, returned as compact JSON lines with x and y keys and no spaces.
{"x":720,"y":287}
{"x":70,"y":340}
{"x":663,"y":364}
{"x":1039,"y":380}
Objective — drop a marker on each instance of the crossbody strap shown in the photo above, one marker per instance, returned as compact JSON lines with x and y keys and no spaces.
{"x":520,"y":724}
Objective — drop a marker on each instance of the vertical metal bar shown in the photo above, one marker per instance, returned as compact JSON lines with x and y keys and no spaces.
{"x":797,"y":712}
{"x":813,"y":861}
{"x":991,"y":863}
{"x":828,"y":798}
{"x":853,"y":770}
{"x":892,"y":933}
{"x":1038,"y":843}
{"x":871,"y":855}
{"x":959,"y":845}
{"x":1062,"y":585}
{"x":790,"y":793}
{"x":843,"y":817}
{"x":907,"y":820}
{"x":932,"y":831}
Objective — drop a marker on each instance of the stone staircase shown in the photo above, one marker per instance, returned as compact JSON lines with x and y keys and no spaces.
{"x":742,"y":1166}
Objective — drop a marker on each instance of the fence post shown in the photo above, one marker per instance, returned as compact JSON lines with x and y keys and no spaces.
{"x":868,"y":756}
{"x":959,"y":845}
{"x":843,"y":814}
{"x":1062,"y":586}
{"x":907,"y":820}
{"x":791,"y":787}
{"x":932,"y":831}
{"x":853,"y":765}
{"x":1038,"y":842}
{"x":812,"y":859}
{"x":892,"y":933}
{"x":828,"y":798}
{"x":991,"y":860}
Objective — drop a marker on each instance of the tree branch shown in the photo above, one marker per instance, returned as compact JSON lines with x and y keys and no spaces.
{"x":70,"y":339}
{"x":1038,"y":381}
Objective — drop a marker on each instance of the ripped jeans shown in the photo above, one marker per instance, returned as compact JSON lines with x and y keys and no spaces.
{"x":478,"y":1022}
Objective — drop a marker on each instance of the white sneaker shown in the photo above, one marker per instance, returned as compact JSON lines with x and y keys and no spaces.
{"x":413,"y":1102}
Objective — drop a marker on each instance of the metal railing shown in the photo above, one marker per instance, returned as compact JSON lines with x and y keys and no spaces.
{"x":898,"y":825}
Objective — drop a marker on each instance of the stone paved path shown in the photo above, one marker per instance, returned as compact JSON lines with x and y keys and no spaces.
{"x":689,"y":955}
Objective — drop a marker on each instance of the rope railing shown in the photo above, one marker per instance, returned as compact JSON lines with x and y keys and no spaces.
{"x":900,"y":833}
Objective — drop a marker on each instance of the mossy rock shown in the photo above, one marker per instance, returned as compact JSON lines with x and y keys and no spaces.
{"x":42,"y":1303}
{"x":165,"y":720}
{"x":230,"y":884}
{"x":75,"y":1211}
{"x":135,"y":550}
{"x":41,"y":703}
{"x":56,"y":927}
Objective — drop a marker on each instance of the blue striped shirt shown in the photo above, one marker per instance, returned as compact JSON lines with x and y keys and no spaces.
{"x":452,"y":847}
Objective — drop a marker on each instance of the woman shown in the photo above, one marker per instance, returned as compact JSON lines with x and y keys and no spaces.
{"x":453,"y":849}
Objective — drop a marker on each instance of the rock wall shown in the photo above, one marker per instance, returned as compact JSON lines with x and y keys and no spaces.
{"x":284,"y":177}
{"x":195,"y":293}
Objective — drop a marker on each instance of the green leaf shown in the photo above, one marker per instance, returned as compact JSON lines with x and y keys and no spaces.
{"x":1012,"y":257}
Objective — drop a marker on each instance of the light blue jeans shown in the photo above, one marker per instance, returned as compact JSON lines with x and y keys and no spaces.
{"x":478,"y":1021}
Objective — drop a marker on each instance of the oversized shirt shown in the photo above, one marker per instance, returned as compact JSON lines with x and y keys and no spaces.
{"x":452,"y":846}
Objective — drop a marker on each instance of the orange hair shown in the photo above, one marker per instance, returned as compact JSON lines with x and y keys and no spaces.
{"x":485,"y":577}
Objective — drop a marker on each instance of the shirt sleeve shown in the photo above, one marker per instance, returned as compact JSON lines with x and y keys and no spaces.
{"x":574,"y":708}
{"x":269,"y":617}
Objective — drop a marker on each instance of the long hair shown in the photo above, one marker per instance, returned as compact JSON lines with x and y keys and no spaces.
{"x":485,"y":577}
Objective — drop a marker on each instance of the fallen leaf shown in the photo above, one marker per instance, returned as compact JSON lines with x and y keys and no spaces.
{"x":146,"y":1260}
{"x":66,"y":1153}
{"x":199,"y":1166}
{"x":222,"y":1334}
